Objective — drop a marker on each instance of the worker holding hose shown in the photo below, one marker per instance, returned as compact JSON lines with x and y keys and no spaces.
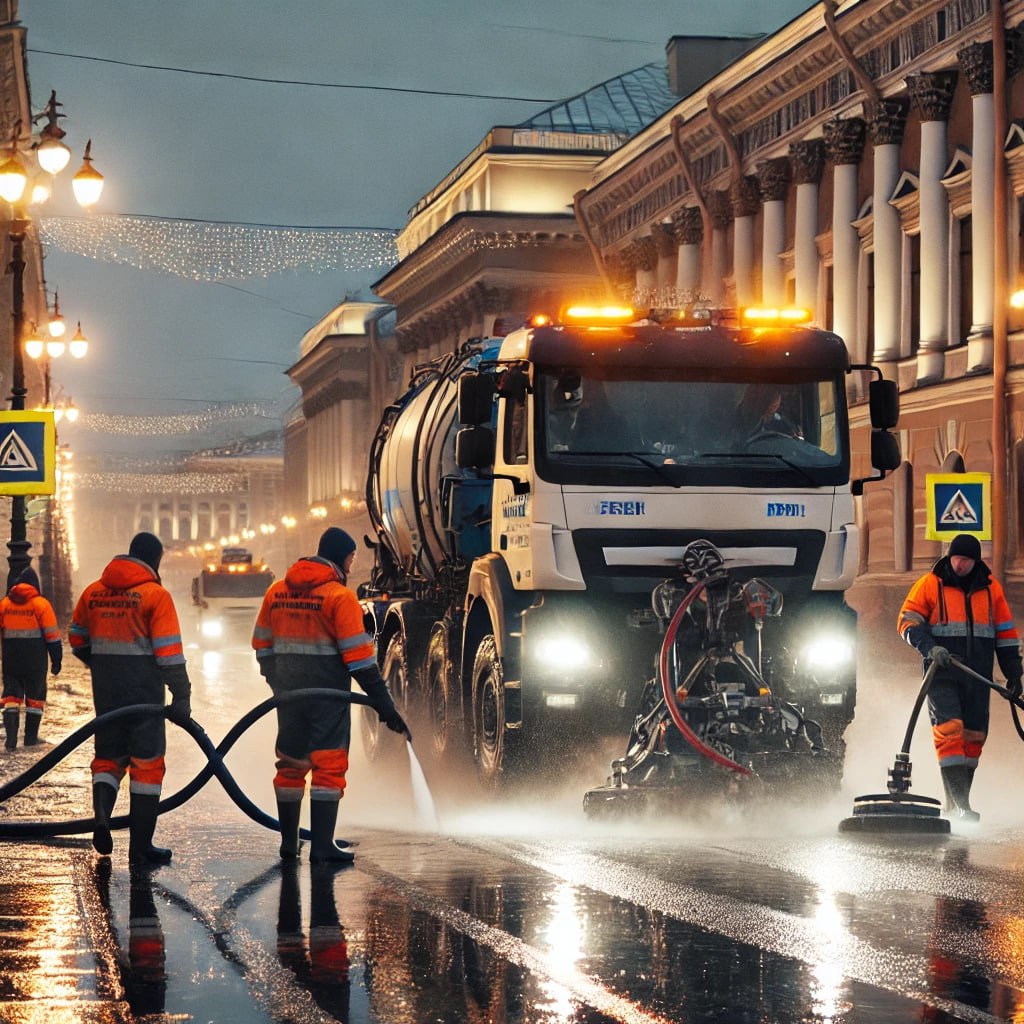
{"x":310,"y":633}
{"x":959,"y":609}
{"x":125,"y":628}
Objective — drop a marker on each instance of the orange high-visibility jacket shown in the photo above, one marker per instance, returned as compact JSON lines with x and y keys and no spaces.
{"x":974,"y":625}
{"x":29,"y":629}
{"x":310,"y":632}
{"x":125,"y":628}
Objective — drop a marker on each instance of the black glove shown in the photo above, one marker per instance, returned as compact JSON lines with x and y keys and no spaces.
{"x":939,"y":655}
{"x":180,"y":710}
{"x":393,"y":720}
{"x":55,"y":666}
{"x":1014,"y":686}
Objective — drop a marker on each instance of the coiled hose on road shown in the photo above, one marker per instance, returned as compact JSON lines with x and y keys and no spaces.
{"x":214,"y":767}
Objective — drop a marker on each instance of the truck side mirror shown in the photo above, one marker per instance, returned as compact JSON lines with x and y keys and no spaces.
{"x":884,"y":402}
{"x":885,"y":450}
{"x":476,"y":398}
{"x":474,"y":446}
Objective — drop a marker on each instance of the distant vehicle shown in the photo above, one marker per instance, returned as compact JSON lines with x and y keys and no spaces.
{"x":228,"y":594}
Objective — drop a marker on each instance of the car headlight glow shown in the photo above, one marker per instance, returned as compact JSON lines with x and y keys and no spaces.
{"x":562,"y":652}
{"x":828,"y":652}
{"x":212,"y":627}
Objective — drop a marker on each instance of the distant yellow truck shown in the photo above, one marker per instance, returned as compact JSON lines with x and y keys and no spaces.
{"x":228,"y":594}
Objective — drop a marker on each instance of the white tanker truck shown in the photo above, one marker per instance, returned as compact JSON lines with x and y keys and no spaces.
{"x":532,"y":494}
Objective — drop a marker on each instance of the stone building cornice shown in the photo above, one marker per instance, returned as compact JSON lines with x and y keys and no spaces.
{"x":780,"y":93}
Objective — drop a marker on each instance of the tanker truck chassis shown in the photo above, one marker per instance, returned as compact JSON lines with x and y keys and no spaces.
{"x":529,"y":493}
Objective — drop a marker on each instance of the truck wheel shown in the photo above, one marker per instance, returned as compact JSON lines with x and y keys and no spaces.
{"x":442,"y":709}
{"x":494,"y":745}
{"x":379,"y":741}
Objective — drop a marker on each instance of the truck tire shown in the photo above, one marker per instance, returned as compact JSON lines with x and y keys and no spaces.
{"x":442,"y":708}
{"x":379,"y":742}
{"x":495,"y":746}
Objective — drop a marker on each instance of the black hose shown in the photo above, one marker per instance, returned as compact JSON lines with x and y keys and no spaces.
{"x":921,"y":694}
{"x":1014,"y":701}
{"x":214,"y":766}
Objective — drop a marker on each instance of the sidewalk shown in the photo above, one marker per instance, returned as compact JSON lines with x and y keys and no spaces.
{"x":49,"y":961}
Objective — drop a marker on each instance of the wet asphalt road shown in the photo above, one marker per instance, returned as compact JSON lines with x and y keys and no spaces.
{"x":520,"y":911}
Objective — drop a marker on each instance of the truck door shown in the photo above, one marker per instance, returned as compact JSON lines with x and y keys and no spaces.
{"x":512,"y":512}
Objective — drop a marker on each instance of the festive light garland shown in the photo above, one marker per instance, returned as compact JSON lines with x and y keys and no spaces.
{"x":212,"y":251}
{"x":145,"y":485}
{"x":178,"y":423}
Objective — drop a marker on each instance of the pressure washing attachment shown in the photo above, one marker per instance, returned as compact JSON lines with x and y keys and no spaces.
{"x":899,"y":810}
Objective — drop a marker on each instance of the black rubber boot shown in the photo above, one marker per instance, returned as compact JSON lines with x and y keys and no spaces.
{"x":323,"y":816}
{"x":288,"y":812}
{"x":957,"y":783}
{"x":103,"y":799}
{"x":32,"y":729}
{"x":11,"y":720}
{"x":141,"y":826}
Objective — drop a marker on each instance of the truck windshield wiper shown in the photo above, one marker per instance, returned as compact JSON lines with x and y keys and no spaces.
{"x":763,"y":455}
{"x":649,"y":463}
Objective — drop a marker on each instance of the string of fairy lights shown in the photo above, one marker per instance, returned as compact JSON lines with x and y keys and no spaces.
{"x":193,"y":422}
{"x":218,"y":251}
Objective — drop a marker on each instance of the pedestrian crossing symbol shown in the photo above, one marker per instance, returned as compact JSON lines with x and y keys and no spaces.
{"x":958,"y":503}
{"x":28,"y":452}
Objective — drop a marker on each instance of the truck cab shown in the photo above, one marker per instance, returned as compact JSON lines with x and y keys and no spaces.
{"x":228,"y":593}
{"x":601,"y":445}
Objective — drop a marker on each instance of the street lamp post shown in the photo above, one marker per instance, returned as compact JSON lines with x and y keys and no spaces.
{"x":52,"y":156}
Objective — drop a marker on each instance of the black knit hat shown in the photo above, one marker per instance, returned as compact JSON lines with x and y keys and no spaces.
{"x":29,"y":576}
{"x":966,"y":545}
{"x":335,"y":545}
{"x":146,"y":548}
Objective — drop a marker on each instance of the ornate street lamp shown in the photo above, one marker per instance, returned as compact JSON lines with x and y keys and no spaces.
{"x":87,"y":186}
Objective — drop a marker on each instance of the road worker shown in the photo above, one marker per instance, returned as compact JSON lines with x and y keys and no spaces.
{"x":310,"y":634}
{"x":125,"y":628}
{"x":30,"y":634}
{"x":959,"y":609}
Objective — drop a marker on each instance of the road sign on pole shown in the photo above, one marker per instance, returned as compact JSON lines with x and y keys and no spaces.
{"x":958,"y":503}
{"x":28,"y":452}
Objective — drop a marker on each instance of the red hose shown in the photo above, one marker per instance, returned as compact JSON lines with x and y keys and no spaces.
{"x":670,"y":698}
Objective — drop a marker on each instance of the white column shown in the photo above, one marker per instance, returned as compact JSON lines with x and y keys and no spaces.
{"x":934,"y":252}
{"x":983,"y":163}
{"x":888,"y":251}
{"x":773,"y":274}
{"x":805,"y":248}
{"x":743,"y":259}
{"x":347,"y":481}
{"x":719,"y":266}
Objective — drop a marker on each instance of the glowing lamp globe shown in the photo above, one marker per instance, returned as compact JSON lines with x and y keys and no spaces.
{"x":12,"y":180}
{"x":53,"y":155}
{"x":79,"y":343}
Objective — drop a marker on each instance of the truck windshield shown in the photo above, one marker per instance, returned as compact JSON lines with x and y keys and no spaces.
{"x":693,"y":430}
{"x":241,"y":584}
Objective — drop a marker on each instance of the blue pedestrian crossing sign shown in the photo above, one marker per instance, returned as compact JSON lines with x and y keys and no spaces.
{"x":958,"y":503}
{"x":28,"y":452}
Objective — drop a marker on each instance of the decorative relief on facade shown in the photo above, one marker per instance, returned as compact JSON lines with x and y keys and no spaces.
{"x":745,"y":196}
{"x":688,"y":225}
{"x":888,"y":122}
{"x":976,"y":62}
{"x":331,"y":394}
{"x":1014,"y":50}
{"x":932,"y":94}
{"x":641,"y":254}
{"x":719,"y":205}
{"x":664,"y":239}
{"x":773,"y":178}
{"x":807,"y":160}
{"x":844,"y":140}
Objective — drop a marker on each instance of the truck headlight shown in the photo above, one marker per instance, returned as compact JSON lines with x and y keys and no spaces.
{"x":212,"y":627}
{"x":562,"y":652}
{"x":828,"y":652}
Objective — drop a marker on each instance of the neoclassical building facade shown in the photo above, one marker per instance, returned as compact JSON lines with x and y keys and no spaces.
{"x":848,"y":163}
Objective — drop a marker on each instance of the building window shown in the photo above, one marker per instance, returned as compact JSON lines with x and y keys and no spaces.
{"x":915,"y":293}
{"x":204,"y":526}
{"x":184,"y":521}
{"x":964,"y":262}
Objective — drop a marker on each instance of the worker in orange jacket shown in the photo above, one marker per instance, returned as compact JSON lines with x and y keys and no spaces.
{"x":959,"y":609}
{"x":309,"y":634}
{"x":125,"y":628}
{"x":30,"y":634}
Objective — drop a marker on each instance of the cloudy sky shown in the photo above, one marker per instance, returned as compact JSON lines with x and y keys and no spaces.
{"x":221,"y":148}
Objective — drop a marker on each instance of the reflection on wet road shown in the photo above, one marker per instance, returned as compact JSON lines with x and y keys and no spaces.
{"x":512,"y":913}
